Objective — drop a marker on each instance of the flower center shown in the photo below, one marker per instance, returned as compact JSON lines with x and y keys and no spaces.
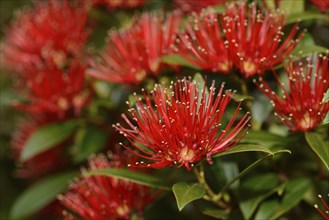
{"x":63,"y":103}
{"x":249,"y":67}
{"x":187,"y":154}
{"x":140,"y":75}
{"x":225,"y":66}
{"x":155,"y":66}
{"x":122,"y":210}
{"x":306,"y":122}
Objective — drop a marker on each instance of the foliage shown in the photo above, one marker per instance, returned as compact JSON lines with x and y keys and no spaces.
{"x":272,"y":172}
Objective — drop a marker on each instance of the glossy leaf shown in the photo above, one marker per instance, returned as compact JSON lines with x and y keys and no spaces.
{"x":187,"y":192}
{"x":88,"y":141}
{"x":244,"y":148}
{"x":326,"y":119}
{"x":175,"y":59}
{"x":304,"y":16}
{"x":214,"y":212}
{"x":307,"y":46}
{"x":267,"y":209}
{"x":140,"y":178}
{"x":39,"y":195}
{"x":294,"y":193}
{"x":292,"y":7}
{"x":266,"y":138}
{"x":231,"y":170}
{"x":223,"y":171}
{"x":261,"y":108}
{"x":47,"y":137}
{"x":254,"y":190}
{"x":250,"y":168}
{"x":319,"y":146}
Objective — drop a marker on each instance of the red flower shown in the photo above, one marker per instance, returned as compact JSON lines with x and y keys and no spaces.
{"x":301,"y":108}
{"x":133,"y":54}
{"x":203,"y":45}
{"x":255,"y":38}
{"x":183,"y":126}
{"x":196,"y":5}
{"x":52,"y":30}
{"x":323,"y":5}
{"x":324,"y":214}
{"x":43,"y":163}
{"x":124,"y":4}
{"x":56,"y":94}
{"x":102,"y":197}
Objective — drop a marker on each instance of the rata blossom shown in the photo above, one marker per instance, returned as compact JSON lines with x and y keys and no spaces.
{"x":325,"y":214}
{"x":56,"y":94}
{"x":182,"y":125}
{"x":196,"y":5}
{"x":133,"y":54}
{"x":203,"y":45}
{"x":40,"y":164}
{"x":300,"y":107}
{"x":255,"y":37}
{"x":102,"y":197}
{"x":323,"y":5}
{"x":52,"y":30}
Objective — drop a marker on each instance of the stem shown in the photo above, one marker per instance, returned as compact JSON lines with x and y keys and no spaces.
{"x":210,"y":194}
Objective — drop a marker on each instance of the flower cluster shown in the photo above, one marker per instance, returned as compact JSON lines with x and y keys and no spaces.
{"x":203,"y":45}
{"x":301,"y":107}
{"x":44,"y":46}
{"x":56,"y":94}
{"x":44,"y":34}
{"x":134,"y":53}
{"x":250,"y":39}
{"x":103,"y":198}
{"x":183,"y":126}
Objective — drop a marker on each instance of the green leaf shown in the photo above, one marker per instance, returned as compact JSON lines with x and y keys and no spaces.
{"x":88,"y":140}
{"x":319,"y":146}
{"x":223,"y":172}
{"x":265,"y":138}
{"x":326,"y":96}
{"x":39,"y":195}
{"x":175,"y":59}
{"x":295,"y":17}
{"x":267,"y":209}
{"x":256,"y":189}
{"x":250,"y":168}
{"x":47,"y":137}
{"x":261,"y":108}
{"x":231,"y":170}
{"x":140,"y":178}
{"x":294,"y":193}
{"x":307,"y":46}
{"x":244,"y":148}
{"x":292,"y":7}
{"x":269,"y":3}
{"x":326,"y":119}
{"x":187,"y":192}
{"x":214,"y":212}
